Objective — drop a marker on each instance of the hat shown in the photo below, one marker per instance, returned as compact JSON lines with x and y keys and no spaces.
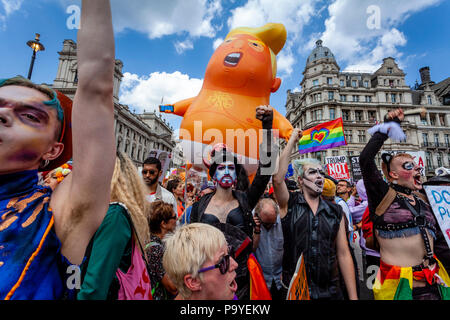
{"x":66,"y":134}
{"x":329,"y":188}
{"x":437,"y":180}
{"x":207,"y":185}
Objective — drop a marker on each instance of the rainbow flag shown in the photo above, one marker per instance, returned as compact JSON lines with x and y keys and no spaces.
{"x":323,"y":136}
{"x":395,"y":283}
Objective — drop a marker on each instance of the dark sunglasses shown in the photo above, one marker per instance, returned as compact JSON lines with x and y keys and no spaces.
{"x":144,"y":172}
{"x":172,"y":217}
{"x":223,"y":264}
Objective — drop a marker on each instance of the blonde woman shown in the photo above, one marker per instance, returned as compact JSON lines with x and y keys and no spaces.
{"x":110,"y":252}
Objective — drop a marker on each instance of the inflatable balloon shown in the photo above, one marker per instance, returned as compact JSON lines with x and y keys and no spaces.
{"x":240,"y":76}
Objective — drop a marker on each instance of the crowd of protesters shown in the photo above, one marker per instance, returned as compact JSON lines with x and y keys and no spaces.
{"x":230,"y":238}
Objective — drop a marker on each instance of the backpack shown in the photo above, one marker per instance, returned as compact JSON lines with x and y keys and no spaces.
{"x":367,"y":223}
{"x":159,"y":283}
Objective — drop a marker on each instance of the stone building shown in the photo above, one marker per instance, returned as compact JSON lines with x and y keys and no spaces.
{"x":362,"y":99}
{"x":136,"y":134}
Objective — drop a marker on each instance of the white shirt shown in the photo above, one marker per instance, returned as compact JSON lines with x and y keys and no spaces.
{"x":164,"y":195}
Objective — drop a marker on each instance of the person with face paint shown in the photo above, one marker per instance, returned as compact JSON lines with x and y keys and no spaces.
{"x":233,"y":206}
{"x":405,"y":229}
{"x":313,"y":227}
{"x":44,"y":233}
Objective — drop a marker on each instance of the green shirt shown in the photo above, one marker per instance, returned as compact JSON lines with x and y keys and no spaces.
{"x":111,"y":249}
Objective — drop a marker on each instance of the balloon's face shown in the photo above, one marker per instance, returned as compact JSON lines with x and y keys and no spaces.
{"x":241,"y":61}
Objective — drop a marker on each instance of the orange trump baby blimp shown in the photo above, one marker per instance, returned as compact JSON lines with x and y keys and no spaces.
{"x":240,"y":76}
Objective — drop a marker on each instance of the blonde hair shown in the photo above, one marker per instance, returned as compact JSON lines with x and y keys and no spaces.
{"x":128,"y":188}
{"x":187,"y":249}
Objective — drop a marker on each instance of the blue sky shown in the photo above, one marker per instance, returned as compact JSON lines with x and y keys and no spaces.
{"x":165,"y":46}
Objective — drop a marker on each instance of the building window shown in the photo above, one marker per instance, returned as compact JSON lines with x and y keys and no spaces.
{"x":447,"y":140}
{"x":389,"y":70}
{"x":335,"y":153}
{"x":372,"y":116}
{"x":393,"y":100}
{"x":361,"y":136}
{"x":317,"y":114}
{"x":428,"y":159}
{"x":75,"y":78}
{"x":358,"y":115}
{"x":354,"y":83}
{"x":315,"y":82}
{"x":385,"y":81}
{"x":432,"y":119}
{"x":342,"y":83}
{"x":439,"y":159}
{"x":436,"y":139}
{"x":398,"y":82}
{"x":366,"y":84}
{"x":346,"y":115}
{"x":120,"y":128}
{"x":348,"y":136}
{"x":368,"y":99}
{"x":424,"y":120}
{"x":332,"y":113}
{"x":425,"y":139}
{"x":391,"y":83}
{"x":355,"y":98}
{"x":429,"y":100}
{"x":442,"y":120}
{"x":330,"y":95}
{"x":330,"y":81}
{"x":399,"y":97}
{"x":343,"y":98}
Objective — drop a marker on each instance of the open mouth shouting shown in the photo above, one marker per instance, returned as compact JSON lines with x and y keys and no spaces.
{"x":418,"y":180}
{"x":233,"y":285}
{"x":232,"y":59}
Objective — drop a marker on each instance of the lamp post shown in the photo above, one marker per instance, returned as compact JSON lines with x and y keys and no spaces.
{"x":36,"y":46}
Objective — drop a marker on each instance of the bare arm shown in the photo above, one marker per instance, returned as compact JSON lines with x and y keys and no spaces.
{"x":279,"y":186}
{"x":346,"y":262}
{"x":81,"y":202}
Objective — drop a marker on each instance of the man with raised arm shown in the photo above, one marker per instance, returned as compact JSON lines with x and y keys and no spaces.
{"x":313,"y":227}
{"x":43,"y":233}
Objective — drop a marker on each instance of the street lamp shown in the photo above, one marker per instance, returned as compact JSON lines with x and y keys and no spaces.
{"x":36,"y":46}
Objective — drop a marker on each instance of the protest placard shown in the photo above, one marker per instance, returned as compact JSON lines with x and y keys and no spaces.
{"x":439,"y":198}
{"x":337,"y":167}
{"x":356,"y":169}
{"x":298,"y":288}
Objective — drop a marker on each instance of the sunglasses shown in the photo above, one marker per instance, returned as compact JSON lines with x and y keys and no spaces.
{"x":223,"y":264}
{"x":152,"y":172}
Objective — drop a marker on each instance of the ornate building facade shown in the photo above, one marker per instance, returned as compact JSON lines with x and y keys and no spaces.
{"x":362,"y":99}
{"x":136,"y":134}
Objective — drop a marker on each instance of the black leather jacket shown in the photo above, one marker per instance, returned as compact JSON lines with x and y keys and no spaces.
{"x":314,"y":236}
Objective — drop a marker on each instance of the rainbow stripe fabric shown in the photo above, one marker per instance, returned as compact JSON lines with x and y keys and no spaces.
{"x":395,"y":283}
{"x":323,"y":136}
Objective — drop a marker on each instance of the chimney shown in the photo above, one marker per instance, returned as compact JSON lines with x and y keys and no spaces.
{"x":425,"y":75}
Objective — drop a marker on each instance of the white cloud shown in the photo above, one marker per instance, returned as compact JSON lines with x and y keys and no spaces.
{"x":9,"y":7}
{"x":293,"y":14}
{"x":182,"y":46}
{"x":160,"y":18}
{"x":361,"y":40}
{"x":146,"y":92}
{"x":217,"y":43}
